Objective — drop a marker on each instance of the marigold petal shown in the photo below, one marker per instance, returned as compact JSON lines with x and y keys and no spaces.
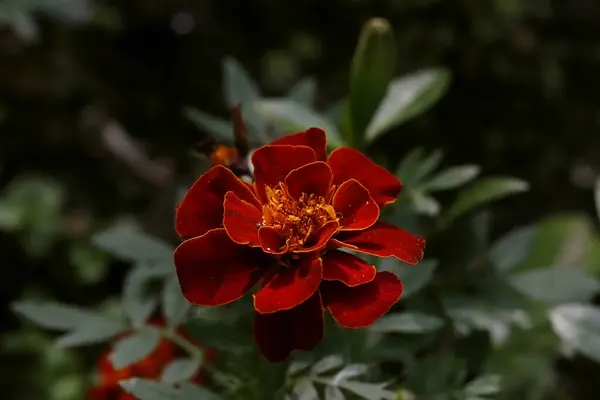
{"x":384,"y":240}
{"x":213,"y":270}
{"x":320,"y":238}
{"x":106,"y":392}
{"x":289,"y":287}
{"x":271,"y":241}
{"x":346,"y":268}
{"x":315,"y":138}
{"x":348,"y":163}
{"x":359,"y":211}
{"x":273,"y":163}
{"x":202,"y":207}
{"x":241,"y":220}
{"x":280,"y":333}
{"x":314,"y":178}
{"x":360,"y":306}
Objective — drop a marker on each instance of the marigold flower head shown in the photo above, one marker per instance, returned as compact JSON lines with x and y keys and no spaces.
{"x":286,"y":231}
{"x":150,"y":367}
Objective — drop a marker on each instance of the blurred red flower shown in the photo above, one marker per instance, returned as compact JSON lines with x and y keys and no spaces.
{"x":286,"y":231}
{"x":151,"y":367}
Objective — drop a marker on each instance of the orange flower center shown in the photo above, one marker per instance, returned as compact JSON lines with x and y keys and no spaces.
{"x":223,"y":155}
{"x":296,"y":220}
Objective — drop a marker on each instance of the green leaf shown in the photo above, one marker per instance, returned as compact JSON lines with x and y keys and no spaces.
{"x":304,"y":92}
{"x":333,"y":393}
{"x":513,"y":248}
{"x":452,"y":178}
{"x":58,"y":316}
{"x":180,"y":370}
{"x":485,"y":191}
{"x":407,"y":322}
{"x":428,"y":165}
{"x":597,"y":196}
{"x":238,"y":85}
{"x":134,"y":348}
{"x":305,"y":390}
{"x":90,"y":334}
{"x":413,"y":277}
{"x":369,"y":391}
{"x":139,"y":298}
{"x":423,"y":203}
{"x":486,"y":385}
{"x":326,"y":364}
{"x":556,"y":285}
{"x":126,"y":239}
{"x":372,"y":69}
{"x":144,"y":389}
{"x":292,"y":117}
{"x":190,"y":391}
{"x":174,"y":306}
{"x":220,"y":129}
{"x":408,"y":97}
{"x":408,"y":168}
{"x":579,"y":326}
{"x":348,"y":372}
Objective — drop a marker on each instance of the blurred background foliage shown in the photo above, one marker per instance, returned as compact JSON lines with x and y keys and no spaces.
{"x":94,"y":105}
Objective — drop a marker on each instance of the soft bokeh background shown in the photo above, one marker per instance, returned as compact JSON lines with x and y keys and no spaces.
{"x":91,"y":122}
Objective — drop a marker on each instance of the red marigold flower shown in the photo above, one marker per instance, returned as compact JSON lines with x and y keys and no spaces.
{"x":150,"y":367}
{"x":285,"y":231}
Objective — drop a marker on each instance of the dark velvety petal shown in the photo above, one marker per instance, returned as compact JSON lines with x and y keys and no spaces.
{"x":270,"y":241}
{"x":202,"y":207}
{"x":273,"y":163}
{"x":346,"y":268}
{"x":384,"y":240}
{"x":314,"y":178}
{"x":360,"y":306}
{"x":280,"y":333}
{"x":106,"y":392}
{"x":289,"y":287}
{"x":320,"y":238}
{"x":241,"y":220}
{"x":359,"y":211}
{"x":213,"y":270}
{"x":315,"y":138}
{"x":348,"y":163}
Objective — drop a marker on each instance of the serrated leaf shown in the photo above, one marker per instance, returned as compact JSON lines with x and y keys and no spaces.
{"x":190,"y":391}
{"x":407,"y":322}
{"x":174,"y":306}
{"x":408,"y":97}
{"x":451,"y":178}
{"x":180,"y":370}
{"x":304,"y":92}
{"x":327,"y":364}
{"x":134,"y":348}
{"x":579,"y":326}
{"x":292,"y":117}
{"x":514,"y":247}
{"x":485,"y":385}
{"x":219,"y":128}
{"x":333,"y":393}
{"x":139,"y":301}
{"x":58,"y":316}
{"x":556,"y":285}
{"x":126,"y":239}
{"x":238,"y":85}
{"x":144,"y":389}
{"x":485,"y":191}
{"x":305,"y":390}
